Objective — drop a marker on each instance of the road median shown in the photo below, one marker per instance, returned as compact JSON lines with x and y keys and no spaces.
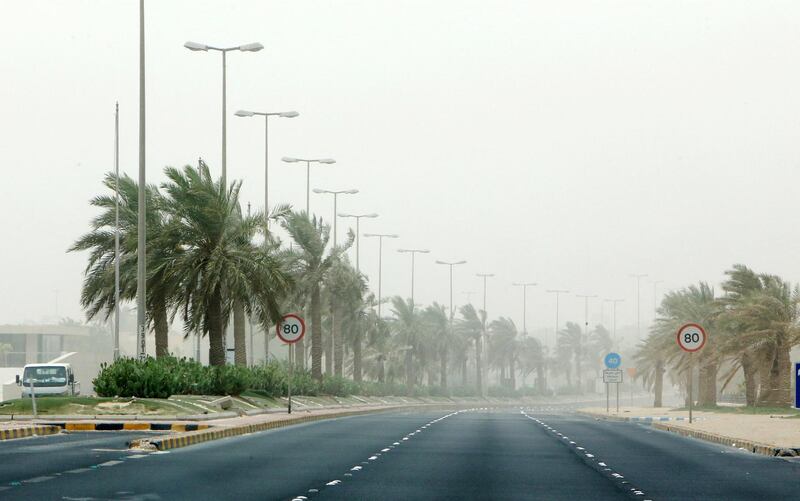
{"x":249,"y":424}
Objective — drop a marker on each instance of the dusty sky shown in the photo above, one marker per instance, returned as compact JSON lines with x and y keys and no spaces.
{"x":567,"y":143}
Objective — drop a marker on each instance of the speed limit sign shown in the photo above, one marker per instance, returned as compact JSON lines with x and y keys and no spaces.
{"x":291,"y":328}
{"x":691,"y":337}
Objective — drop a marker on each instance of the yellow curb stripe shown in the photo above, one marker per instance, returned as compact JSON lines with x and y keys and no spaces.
{"x":136,"y":426}
{"x":79,"y":426}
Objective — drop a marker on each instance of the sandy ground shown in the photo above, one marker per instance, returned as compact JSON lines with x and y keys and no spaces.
{"x":774,"y":430}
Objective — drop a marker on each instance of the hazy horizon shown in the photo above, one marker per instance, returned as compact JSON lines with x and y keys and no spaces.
{"x":570,"y":144}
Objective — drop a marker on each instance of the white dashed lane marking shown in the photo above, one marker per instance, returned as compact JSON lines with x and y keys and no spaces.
{"x":589,"y":458}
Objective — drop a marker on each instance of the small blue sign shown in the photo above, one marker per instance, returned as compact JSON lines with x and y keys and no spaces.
{"x":797,"y":385}
{"x":613,"y":360}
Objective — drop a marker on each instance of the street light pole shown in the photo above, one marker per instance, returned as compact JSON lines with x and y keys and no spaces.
{"x":655,"y":298}
{"x":614,"y":319}
{"x":443,"y":375}
{"x":266,"y":115}
{"x":485,"y":339}
{"x":335,"y":201}
{"x":380,"y":237}
{"x":358,"y":233}
{"x":638,"y":277}
{"x":116,"y":232}
{"x":141,"y":228}
{"x":308,"y":162}
{"x":558,"y":293}
{"x":525,"y":286}
{"x":251,"y":47}
{"x":413,"y":253}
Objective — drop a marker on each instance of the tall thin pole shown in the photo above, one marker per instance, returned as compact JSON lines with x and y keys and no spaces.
{"x":558,"y":293}
{"x":308,"y":188}
{"x":413,"y":255}
{"x":141,"y":222}
{"x":116,"y":232}
{"x":335,"y":217}
{"x":638,"y":277}
{"x":524,"y":286}
{"x":358,"y":244}
{"x":224,"y":123}
{"x":380,"y":267}
{"x":266,"y":178}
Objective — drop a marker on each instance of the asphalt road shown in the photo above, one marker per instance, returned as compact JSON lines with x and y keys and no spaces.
{"x":481,"y":454}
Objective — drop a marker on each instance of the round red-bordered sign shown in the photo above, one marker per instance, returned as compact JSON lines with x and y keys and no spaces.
{"x":691,"y":337}
{"x":291,"y":328}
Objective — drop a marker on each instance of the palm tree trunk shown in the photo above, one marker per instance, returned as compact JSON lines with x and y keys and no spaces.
{"x":512,"y":371}
{"x":764,"y":388}
{"x":338,"y":346}
{"x":578,"y":371}
{"x":779,"y":378}
{"x":329,"y":344}
{"x":749,"y":371}
{"x":216,"y":328}
{"x":658,"y":384}
{"x":409,"y":371}
{"x":316,"y":334}
{"x":464,"y":371}
{"x":161,"y":326}
{"x":239,"y":334}
{"x":478,"y":365}
{"x":381,"y":369}
{"x":357,"y":354}
{"x":443,"y":366}
{"x":707,"y":394}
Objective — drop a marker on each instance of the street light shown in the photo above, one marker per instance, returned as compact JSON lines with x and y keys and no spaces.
{"x":266,"y":115}
{"x":141,"y":250}
{"x":483,"y":370}
{"x":358,"y":234}
{"x":413,"y":253}
{"x":558,"y":293}
{"x":250,"y":47}
{"x":524,"y":286}
{"x":308,"y":162}
{"x":638,"y":277}
{"x":614,"y":319}
{"x":450,"y":265}
{"x":655,"y":298}
{"x":586,"y":299}
{"x":380,"y":237}
{"x":335,"y":199}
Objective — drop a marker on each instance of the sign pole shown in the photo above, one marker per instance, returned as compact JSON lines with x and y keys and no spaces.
{"x":617,"y":398}
{"x":607,"y":399}
{"x":691,"y":386}
{"x":291,"y":346}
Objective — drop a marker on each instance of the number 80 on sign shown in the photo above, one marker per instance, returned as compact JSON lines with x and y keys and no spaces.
{"x":291,"y":328}
{"x":691,"y":337}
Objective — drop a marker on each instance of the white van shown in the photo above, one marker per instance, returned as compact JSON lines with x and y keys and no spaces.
{"x":48,"y":379}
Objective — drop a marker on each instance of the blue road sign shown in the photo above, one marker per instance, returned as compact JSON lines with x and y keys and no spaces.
{"x":613,"y":360}
{"x":797,"y":385}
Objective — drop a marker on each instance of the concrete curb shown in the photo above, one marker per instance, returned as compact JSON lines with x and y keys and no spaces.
{"x":28,"y":431}
{"x":754,"y":447}
{"x":634,"y":419}
{"x":127,"y":426}
{"x":191,"y":438}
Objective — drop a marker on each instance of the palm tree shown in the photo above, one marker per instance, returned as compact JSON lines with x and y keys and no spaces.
{"x":503,"y":349}
{"x":760,"y":313}
{"x":406,"y":325}
{"x":218,"y":264}
{"x":531,"y":358}
{"x":348,"y":287}
{"x":571,"y":346}
{"x":471,"y":325}
{"x":436,"y":328}
{"x":696,"y":304}
{"x":310,"y":261}
{"x":98,"y":292}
